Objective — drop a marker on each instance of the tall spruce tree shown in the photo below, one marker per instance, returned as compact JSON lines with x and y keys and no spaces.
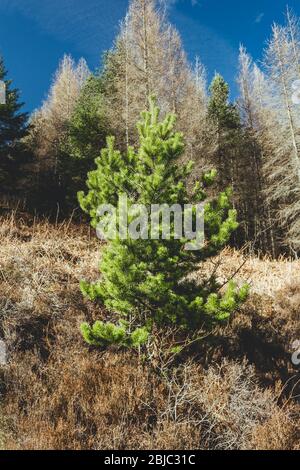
{"x":146,"y":281}
{"x":225,"y":117}
{"x":13,"y":127}
{"x":231,"y":157}
{"x":87,"y":131}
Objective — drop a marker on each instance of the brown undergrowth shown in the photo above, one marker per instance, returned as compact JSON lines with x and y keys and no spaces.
{"x":235,"y":389}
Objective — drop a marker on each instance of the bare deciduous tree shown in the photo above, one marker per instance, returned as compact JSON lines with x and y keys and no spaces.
{"x":256,"y":147}
{"x":148,"y":58}
{"x":283,"y":165}
{"x":50,"y":123}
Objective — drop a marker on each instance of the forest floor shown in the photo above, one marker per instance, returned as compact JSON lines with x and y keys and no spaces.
{"x":235,"y":389}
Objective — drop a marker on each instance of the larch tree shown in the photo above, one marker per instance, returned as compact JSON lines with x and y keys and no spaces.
{"x":57,"y":110}
{"x":269,"y":138}
{"x":50,"y":124}
{"x":194,"y":121}
{"x":258,"y":223}
{"x":147,"y":59}
{"x":283,"y":165}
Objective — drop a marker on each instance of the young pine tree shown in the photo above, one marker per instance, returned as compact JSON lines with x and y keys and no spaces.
{"x":13,"y":127}
{"x":146,"y":281}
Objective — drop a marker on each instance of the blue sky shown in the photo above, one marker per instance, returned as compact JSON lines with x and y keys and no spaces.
{"x":35,"y":34}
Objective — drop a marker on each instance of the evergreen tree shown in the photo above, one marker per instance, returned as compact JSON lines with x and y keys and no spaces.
{"x":234,"y":160}
{"x":86,"y":137}
{"x":225,"y":117}
{"x":13,"y":127}
{"x":146,"y":281}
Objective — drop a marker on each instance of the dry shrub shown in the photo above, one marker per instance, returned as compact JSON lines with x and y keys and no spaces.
{"x":288,"y":299}
{"x":91,"y":400}
{"x":228,"y":407}
{"x":279,"y":432}
{"x":80,"y":400}
{"x":287,"y":305}
{"x":267,"y":324}
{"x":39,"y":281}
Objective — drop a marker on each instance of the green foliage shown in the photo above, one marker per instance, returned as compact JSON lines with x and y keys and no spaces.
{"x":112,"y":177}
{"x":220,"y":110}
{"x":225,"y":118}
{"x":222,"y":307}
{"x":13,"y":127}
{"x":176,"y":350}
{"x":105,"y":334}
{"x":86,"y":136}
{"x":148,"y":280}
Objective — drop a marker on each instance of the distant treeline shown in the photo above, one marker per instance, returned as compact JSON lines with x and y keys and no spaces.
{"x":254,"y":143}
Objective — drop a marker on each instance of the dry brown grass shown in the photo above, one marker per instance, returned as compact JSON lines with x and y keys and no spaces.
{"x":59,"y":394}
{"x":265,"y":275}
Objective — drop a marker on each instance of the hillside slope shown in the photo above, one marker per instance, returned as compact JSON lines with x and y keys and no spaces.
{"x":236,"y":389}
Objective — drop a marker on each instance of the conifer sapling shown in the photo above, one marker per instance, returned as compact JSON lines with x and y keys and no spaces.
{"x":147,"y":281}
